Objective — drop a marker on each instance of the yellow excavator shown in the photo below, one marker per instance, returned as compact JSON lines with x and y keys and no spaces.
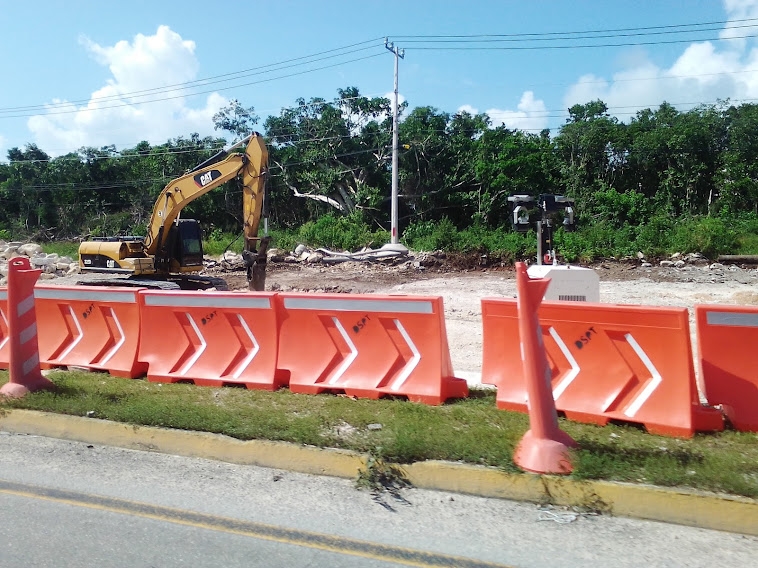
{"x":172,"y":252}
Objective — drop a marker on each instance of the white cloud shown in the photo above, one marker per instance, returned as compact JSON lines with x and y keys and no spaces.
{"x":118,"y":112}
{"x":469,"y":109}
{"x":738,"y":10}
{"x":704,"y":72}
{"x":391,"y":97}
{"x":531,"y":114}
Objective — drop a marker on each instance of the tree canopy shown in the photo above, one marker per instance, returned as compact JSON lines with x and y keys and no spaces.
{"x":334,"y":156}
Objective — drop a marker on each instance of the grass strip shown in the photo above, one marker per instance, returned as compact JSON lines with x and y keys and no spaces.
{"x":471,"y":430}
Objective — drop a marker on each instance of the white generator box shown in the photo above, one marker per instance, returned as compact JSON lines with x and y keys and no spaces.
{"x":568,"y":283}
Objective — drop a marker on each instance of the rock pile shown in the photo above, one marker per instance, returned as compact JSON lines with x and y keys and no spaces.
{"x":52,"y":265}
{"x":392,"y":254}
{"x":677,"y":260}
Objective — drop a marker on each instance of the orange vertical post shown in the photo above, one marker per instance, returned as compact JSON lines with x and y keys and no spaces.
{"x":544,"y":448}
{"x":25,"y":374}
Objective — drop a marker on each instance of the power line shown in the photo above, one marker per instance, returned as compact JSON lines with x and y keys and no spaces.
{"x":88,"y":109}
{"x":70,"y":186}
{"x":205,"y":81}
{"x":492,"y":39}
{"x":548,"y":34}
{"x":333,"y":53}
{"x":577,"y":46}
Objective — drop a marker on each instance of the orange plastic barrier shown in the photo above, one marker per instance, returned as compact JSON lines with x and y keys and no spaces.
{"x":367,"y":346}
{"x":545,"y":447}
{"x":4,"y":334}
{"x":210,"y":338}
{"x":95,"y":327}
{"x":24,"y":372}
{"x":726,"y":337}
{"x":608,"y":362}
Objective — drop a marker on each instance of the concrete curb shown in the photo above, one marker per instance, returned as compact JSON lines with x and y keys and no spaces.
{"x":692,"y":508}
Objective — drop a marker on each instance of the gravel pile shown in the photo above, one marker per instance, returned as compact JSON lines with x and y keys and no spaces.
{"x":52,"y":265}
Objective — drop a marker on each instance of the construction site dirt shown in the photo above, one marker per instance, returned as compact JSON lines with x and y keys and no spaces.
{"x":463,"y":282}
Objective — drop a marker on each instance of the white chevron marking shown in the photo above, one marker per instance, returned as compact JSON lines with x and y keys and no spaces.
{"x":410,"y":365}
{"x":652,"y":384}
{"x":76,"y":341}
{"x":119,"y":343}
{"x":188,"y":365}
{"x":349,"y":359}
{"x":571,"y":375}
{"x":244,"y":364}
{"x":5,"y":339}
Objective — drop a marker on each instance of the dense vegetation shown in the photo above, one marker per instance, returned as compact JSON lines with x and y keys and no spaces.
{"x":665,"y":180}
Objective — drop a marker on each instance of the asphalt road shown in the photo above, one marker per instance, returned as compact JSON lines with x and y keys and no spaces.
{"x":69,"y":504}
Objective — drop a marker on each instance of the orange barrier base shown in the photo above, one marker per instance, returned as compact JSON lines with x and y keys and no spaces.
{"x":31,"y":384}
{"x":453,"y":388}
{"x":537,"y":454}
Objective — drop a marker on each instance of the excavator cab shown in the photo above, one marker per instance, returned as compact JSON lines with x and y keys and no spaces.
{"x":185,"y":243}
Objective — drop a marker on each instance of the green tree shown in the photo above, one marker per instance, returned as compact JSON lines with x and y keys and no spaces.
{"x":236,"y":119}
{"x":513,"y":162}
{"x":333,"y":155}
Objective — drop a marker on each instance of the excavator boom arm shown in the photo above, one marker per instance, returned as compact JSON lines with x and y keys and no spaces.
{"x":225,"y":166}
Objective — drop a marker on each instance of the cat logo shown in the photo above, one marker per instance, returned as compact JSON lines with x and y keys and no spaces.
{"x":204,"y":179}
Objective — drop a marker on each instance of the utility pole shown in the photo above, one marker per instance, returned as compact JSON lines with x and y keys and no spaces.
{"x":399,"y":54}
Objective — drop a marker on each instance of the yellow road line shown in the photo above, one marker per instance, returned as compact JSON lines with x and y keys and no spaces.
{"x":296,"y":537}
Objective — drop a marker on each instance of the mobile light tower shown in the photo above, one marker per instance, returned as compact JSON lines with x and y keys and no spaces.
{"x":568,"y":283}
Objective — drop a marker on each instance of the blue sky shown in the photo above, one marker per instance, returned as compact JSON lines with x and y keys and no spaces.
{"x":63,"y":62}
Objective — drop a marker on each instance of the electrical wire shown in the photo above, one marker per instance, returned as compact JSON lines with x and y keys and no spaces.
{"x":12,"y":112}
{"x":131,"y":183}
{"x":203,"y":82}
{"x":492,"y":39}
{"x":88,"y":109}
{"x":576,"y":46}
{"x":603,"y":31}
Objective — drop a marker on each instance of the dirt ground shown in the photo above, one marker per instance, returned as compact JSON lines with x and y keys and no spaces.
{"x":463,"y":283}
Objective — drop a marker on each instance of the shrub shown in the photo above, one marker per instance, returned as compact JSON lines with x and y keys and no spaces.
{"x":341,"y":233}
{"x":708,"y":235}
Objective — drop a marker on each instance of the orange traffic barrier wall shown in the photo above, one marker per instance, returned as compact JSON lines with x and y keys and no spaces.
{"x":95,"y":327}
{"x":210,"y":338}
{"x":608,"y":362}
{"x":726,"y":337}
{"x":367,"y":346}
{"x":4,"y":333}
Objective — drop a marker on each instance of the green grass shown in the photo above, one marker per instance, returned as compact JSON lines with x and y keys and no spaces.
{"x":62,"y":248}
{"x":471,"y":430}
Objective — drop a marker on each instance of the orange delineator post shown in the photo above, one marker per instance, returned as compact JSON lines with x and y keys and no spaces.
{"x":367,"y":346}
{"x":608,"y":362}
{"x":726,"y":337}
{"x":25,"y":374}
{"x":210,"y":338}
{"x":95,"y":327}
{"x":545,"y":447}
{"x":4,"y":333}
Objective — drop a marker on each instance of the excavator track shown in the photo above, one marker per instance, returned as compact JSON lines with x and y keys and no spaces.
{"x":132,"y":283}
{"x":173,"y":283}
